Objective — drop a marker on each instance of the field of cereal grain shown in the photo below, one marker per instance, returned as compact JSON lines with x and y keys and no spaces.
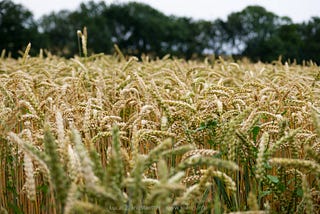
{"x":112,"y":134}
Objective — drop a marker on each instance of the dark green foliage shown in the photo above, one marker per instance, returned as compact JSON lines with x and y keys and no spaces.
{"x":140,"y":29}
{"x":17,"y":27}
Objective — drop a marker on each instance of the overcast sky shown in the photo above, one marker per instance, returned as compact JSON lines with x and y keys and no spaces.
{"x":297,"y":10}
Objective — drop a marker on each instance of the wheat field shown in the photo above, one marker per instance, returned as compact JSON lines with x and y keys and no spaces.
{"x":114,"y":134}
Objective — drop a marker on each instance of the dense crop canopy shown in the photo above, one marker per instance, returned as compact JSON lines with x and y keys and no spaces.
{"x":105,"y":134}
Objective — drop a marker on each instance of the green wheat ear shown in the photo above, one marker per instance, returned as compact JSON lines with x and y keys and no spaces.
{"x":57,"y":174}
{"x":316,"y":121}
{"x":115,"y":168}
{"x":307,"y":197}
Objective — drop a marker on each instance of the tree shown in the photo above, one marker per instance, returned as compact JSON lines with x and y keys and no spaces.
{"x":252,"y":26}
{"x":59,"y":33}
{"x":99,"y":33}
{"x":60,"y":29}
{"x":17,"y":27}
{"x":311,"y":40}
{"x":290,"y":35}
{"x":137,"y":28}
{"x":181,"y":38}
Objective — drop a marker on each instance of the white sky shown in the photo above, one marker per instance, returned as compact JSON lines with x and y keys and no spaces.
{"x":297,"y":10}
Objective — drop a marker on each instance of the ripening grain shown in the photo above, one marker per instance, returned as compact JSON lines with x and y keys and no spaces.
{"x":105,"y":134}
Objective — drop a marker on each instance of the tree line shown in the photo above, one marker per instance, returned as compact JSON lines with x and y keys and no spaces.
{"x":139,"y":29}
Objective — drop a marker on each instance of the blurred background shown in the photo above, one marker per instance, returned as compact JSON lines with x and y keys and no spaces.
{"x":258,"y":30}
